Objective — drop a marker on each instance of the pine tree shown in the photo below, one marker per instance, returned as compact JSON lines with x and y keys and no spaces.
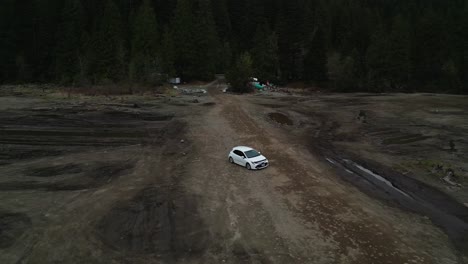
{"x":224,"y":63}
{"x":183,"y":32}
{"x":429,"y":50}
{"x":376,"y":60}
{"x":144,"y":45}
{"x":292,"y":36}
{"x":206,"y":45}
{"x":7,"y":47}
{"x":265,"y":53}
{"x":47,"y":24}
{"x":316,"y":58}
{"x":341,"y":71}
{"x":398,"y":54}
{"x":23,"y":37}
{"x":222,"y":19}
{"x":69,"y":42}
{"x":109,"y":50}
{"x":167,"y":53}
{"x":239,"y":75}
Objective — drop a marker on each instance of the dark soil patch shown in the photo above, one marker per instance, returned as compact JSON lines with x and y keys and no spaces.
{"x":152,"y":117}
{"x":384,"y":132}
{"x":95,"y":176}
{"x":138,"y":116}
{"x":209,"y":104}
{"x":272,"y":105}
{"x":12,"y":226}
{"x":74,"y":133}
{"x":373,"y":95}
{"x":54,"y":170}
{"x":155,"y":221}
{"x":280,"y":119}
{"x":179,"y":104}
{"x":109,"y":171}
{"x":9,"y":153}
{"x":406,"y":139}
{"x":405,"y":192}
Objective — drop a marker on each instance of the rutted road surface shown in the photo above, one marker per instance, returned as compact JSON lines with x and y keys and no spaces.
{"x":296,"y":211}
{"x":93,"y":181}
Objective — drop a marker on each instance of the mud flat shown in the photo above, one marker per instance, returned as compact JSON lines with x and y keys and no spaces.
{"x":92,"y":170}
{"x":396,"y":148}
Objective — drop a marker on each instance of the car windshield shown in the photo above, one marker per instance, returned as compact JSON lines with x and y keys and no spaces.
{"x":252,"y":153}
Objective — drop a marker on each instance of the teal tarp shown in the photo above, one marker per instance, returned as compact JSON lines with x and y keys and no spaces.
{"x":258,"y":86}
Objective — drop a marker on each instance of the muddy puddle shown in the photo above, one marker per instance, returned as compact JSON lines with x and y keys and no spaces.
{"x":280,"y":119}
{"x":407,"y":193}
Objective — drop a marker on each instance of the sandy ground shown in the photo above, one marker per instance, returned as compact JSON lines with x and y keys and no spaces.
{"x":93,"y":181}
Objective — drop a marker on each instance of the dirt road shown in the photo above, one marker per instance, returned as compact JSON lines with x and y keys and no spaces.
{"x":88,"y":182}
{"x":296,"y":211}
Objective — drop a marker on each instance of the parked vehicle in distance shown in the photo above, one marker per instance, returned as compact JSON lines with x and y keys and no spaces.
{"x":248,"y":157}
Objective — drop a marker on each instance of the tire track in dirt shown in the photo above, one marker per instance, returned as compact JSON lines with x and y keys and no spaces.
{"x":362,"y":241}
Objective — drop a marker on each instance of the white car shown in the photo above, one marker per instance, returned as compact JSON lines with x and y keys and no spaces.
{"x":248,"y":157}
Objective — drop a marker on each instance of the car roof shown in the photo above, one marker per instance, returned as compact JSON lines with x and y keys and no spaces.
{"x":242,"y":148}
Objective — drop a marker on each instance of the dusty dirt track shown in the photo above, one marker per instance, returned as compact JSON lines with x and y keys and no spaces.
{"x":93,"y":182}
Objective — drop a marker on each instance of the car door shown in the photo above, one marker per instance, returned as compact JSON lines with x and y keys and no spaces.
{"x":242,"y":159}
{"x":238,"y":157}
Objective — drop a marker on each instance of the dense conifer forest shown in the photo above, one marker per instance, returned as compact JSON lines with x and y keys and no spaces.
{"x":345,"y":45}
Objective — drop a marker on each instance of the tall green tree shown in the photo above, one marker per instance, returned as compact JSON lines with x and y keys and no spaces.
{"x":398,"y":54}
{"x":429,"y":49}
{"x":265,"y":53}
{"x":69,"y":59}
{"x":316,"y":58}
{"x":240,"y":73}
{"x":183,"y":32}
{"x":22,"y":35}
{"x":222,"y":19}
{"x":47,"y":28}
{"x":167,"y":53}
{"x":376,"y":60}
{"x":108,"y":45}
{"x":207,"y":44}
{"x":341,"y":72}
{"x":7,"y":38}
{"x":145,"y":62}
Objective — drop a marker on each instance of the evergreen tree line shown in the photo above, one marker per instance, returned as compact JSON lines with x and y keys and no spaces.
{"x":347,"y":45}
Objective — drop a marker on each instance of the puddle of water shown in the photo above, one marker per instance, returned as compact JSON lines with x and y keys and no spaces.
{"x":443,"y":211}
{"x":380,"y":178}
{"x":280,"y":119}
{"x":368,"y":172}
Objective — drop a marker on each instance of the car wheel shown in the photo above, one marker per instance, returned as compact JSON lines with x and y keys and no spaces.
{"x":231,"y":160}
{"x":248,"y":166}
